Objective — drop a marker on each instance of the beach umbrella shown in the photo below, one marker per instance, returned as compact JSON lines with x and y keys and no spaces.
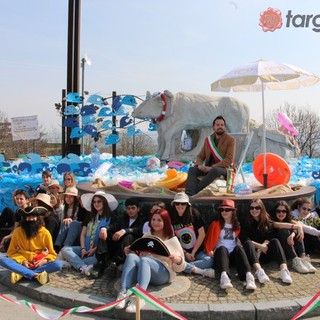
{"x":260,"y":75}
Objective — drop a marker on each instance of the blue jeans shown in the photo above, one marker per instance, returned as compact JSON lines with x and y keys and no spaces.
{"x":145,"y":270}
{"x":73,"y":256}
{"x":14,"y":266}
{"x":68,"y":234}
{"x":203,"y":261}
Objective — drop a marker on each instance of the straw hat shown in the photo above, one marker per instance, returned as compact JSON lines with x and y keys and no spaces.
{"x":72,"y":191}
{"x":182,"y":198}
{"x":45,"y":200}
{"x":87,"y":200}
{"x":55,"y":183}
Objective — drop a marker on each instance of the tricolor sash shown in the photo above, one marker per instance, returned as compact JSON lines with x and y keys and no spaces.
{"x":217,"y":155}
{"x":214,"y":150}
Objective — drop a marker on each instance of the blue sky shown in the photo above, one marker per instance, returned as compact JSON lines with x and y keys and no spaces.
{"x":140,"y":45}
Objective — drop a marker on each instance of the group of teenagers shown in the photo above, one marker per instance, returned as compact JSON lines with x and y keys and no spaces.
{"x":94,"y":237}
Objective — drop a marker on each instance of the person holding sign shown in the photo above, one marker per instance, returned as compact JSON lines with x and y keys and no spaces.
{"x":154,"y":261}
{"x":216,"y":155}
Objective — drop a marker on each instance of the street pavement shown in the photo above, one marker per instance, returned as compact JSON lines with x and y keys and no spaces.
{"x":191,"y":295}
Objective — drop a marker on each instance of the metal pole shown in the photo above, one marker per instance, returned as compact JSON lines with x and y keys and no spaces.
{"x":70,"y":65}
{"x":63,"y":133}
{"x":114,"y":122}
{"x":83,"y":62}
{"x":264,"y":145}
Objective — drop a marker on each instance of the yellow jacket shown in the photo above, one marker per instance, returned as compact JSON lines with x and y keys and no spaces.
{"x":22,"y":249}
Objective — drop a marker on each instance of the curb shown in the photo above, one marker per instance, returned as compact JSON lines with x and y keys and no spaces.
{"x":65,"y":299}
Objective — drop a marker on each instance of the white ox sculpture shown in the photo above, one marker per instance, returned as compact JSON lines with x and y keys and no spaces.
{"x":189,"y":111}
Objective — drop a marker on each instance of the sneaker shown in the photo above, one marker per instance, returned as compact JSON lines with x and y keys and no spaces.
{"x":98,"y":270}
{"x":86,"y":270}
{"x":250,"y":284}
{"x":112,"y":269}
{"x":225,"y":282}
{"x":261,"y":275}
{"x":131,"y":308}
{"x":122,"y":304}
{"x":285,"y":276}
{"x":306,"y":261}
{"x":210,"y":273}
{"x":15,"y":277}
{"x":299,"y":266}
{"x":43,"y":277}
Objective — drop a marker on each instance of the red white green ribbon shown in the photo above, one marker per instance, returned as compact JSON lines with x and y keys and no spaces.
{"x":313,"y":304}
{"x":82,"y":309}
{"x":146,"y":296}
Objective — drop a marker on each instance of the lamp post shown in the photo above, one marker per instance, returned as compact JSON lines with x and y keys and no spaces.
{"x":84,"y":61}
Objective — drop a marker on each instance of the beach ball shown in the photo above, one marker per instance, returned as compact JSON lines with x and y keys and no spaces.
{"x":153,"y":163}
{"x":242,"y":188}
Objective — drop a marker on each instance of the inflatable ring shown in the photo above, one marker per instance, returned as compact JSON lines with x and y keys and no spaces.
{"x":287,"y":124}
{"x":175,"y":164}
{"x":172,"y":180}
{"x":277,"y":169}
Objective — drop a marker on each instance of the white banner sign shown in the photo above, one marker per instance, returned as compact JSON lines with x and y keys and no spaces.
{"x":25,"y":128}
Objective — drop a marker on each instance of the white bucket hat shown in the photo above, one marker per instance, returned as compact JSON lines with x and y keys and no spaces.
{"x":55,"y":183}
{"x":182,"y":198}
{"x":87,"y":200}
{"x":71,"y":191}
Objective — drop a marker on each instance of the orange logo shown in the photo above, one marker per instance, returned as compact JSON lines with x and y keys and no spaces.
{"x":270,"y":20}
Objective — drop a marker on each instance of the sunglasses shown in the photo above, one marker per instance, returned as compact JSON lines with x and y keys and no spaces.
{"x":180,"y":203}
{"x":67,"y":179}
{"x":255,"y":208}
{"x":97,"y":201}
{"x":281,"y":211}
{"x":225,"y":209}
{"x":306,"y":209}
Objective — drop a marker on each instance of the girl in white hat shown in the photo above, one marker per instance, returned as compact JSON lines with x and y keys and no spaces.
{"x":100,"y":205}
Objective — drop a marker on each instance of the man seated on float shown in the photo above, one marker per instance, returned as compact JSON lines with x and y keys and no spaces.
{"x":216,"y":155}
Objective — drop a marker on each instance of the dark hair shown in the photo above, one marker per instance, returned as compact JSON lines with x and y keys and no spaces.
{"x":75,"y":206}
{"x":273,"y":214}
{"x":167,"y":227}
{"x":132,"y":202}
{"x":46,"y":173}
{"x":19,"y":192}
{"x":299,"y":202}
{"x":264,"y":219}
{"x":218,"y":118}
{"x":186,"y":218}
{"x":106,"y":212}
{"x":234,"y":220}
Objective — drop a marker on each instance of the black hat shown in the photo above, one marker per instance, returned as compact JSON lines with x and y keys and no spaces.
{"x":151,"y":244}
{"x":34,"y":211}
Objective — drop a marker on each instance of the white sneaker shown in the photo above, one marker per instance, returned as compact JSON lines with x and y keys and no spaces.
{"x":86,"y":270}
{"x":285,"y":276}
{"x":250,"y":284}
{"x":122,"y":304}
{"x":299,"y":266}
{"x":131,"y":308}
{"x":209,"y":273}
{"x":261,"y":275}
{"x":306,"y":261}
{"x":225,"y":282}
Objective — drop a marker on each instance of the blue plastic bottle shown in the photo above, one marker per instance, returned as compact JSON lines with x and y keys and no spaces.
{"x":95,"y":157}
